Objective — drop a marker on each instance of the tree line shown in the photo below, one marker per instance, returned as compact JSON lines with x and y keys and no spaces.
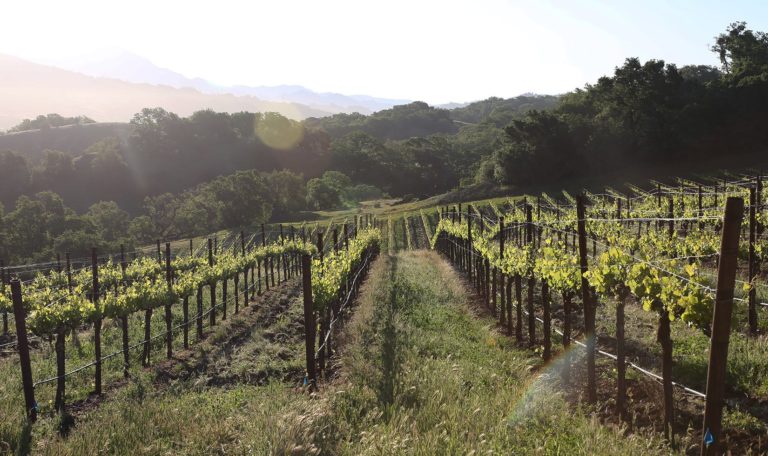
{"x":646,"y":113}
{"x":41,"y":225}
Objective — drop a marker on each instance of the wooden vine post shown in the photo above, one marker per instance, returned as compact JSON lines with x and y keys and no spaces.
{"x":185,"y":305}
{"x":758,"y":223}
{"x":294,"y":263}
{"x":97,"y":321}
{"x":567,"y":300}
{"x":721,"y":327}
{"x":479,"y":275}
{"x":199,"y":319}
{"x":519,"y":308}
{"x":265,"y":261}
{"x":281,"y":257}
{"x":335,"y":306}
{"x":547,"y":355}
{"x":2,"y":290}
{"x":586,"y":297}
{"x":493,"y":290}
{"x":621,"y":366}
{"x":701,"y":208}
{"x":309,"y":320}
{"x":531,"y":279}
{"x":237,"y":277}
{"x":245,"y":272}
{"x":485,"y":277}
{"x":123,"y":319}
{"x":506,"y":310}
{"x":272,"y":270}
{"x":61,"y":373}
{"x":323,"y":321}
{"x":470,"y":249}
{"x":664,"y":337}
{"x":145,"y":354}
{"x":255,"y":282}
{"x":185,"y":316}
{"x":168,"y":314}
{"x":22,"y":346}
{"x":212,"y":316}
{"x":752,"y":263}
{"x":405,"y":234}
{"x":224,"y":291}
{"x":346,"y":237}
{"x":658,"y":195}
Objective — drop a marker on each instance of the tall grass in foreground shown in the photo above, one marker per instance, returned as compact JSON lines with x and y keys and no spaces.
{"x":424,"y":376}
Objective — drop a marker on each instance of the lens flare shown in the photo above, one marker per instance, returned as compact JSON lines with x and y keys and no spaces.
{"x":535,"y":399}
{"x":279,"y":132}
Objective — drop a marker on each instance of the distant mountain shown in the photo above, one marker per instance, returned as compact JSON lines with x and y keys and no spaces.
{"x":126,"y":66}
{"x":29,"y":89}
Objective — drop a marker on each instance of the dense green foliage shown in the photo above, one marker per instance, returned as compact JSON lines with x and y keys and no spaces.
{"x":335,"y":189}
{"x":167,"y":153}
{"x":42,"y":225}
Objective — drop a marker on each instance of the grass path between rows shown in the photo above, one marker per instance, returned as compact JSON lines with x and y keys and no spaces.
{"x":422,"y":374}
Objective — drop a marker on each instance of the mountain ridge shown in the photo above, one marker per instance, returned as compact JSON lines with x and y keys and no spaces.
{"x":123,"y":65}
{"x":30,"y":89}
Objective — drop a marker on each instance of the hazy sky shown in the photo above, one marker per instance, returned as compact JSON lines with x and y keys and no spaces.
{"x":436,"y":51}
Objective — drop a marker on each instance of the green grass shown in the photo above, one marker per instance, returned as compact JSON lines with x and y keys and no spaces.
{"x":184,"y":419}
{"x":423,"y":375}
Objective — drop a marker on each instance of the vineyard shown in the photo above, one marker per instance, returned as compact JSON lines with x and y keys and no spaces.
{"x":112,"y":301}
{"x":670,"y":250}
{"x":648,"y":303}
